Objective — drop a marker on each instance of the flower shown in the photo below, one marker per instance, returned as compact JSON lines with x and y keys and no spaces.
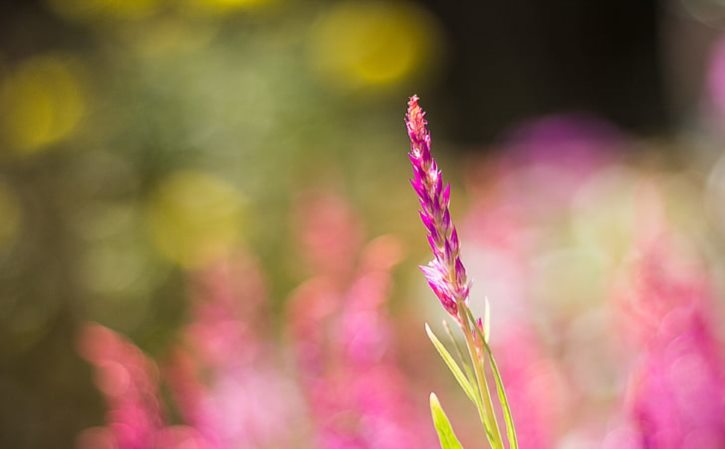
{"x":224,"y":375}
{"x":446,"y":274}
{"x":675,"y":397}
{"x":344,"y":339}
{"x":128,"y":381}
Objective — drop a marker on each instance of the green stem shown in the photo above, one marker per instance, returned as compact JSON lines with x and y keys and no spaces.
{"x":466,"y":369}
{"x":493,"y":431}
{"x":508,"y":417}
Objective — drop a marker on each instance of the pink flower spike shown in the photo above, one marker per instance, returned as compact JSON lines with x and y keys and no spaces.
{"x":446,"y":273}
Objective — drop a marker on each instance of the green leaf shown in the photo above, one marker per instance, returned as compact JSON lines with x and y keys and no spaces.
{"x":471,"y":376}
{"x":467,"y":369}
{"x":452,"y":365}
{"x":442,"y":425}
{"x":507,"y":416}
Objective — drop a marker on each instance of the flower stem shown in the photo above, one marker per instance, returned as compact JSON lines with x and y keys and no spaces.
{"x":490,"y":421}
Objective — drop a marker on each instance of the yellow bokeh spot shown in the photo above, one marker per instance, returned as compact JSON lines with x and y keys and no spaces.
{"x":10,"y":215}
{"x":194,"y":218}
{"x":118,"y":9}
{"x":361,"y":44}
{"x":206,"y":7}
{"x":41,"y":102}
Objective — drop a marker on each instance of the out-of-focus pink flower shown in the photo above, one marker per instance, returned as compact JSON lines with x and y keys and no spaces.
{"x":676,"y":397}
{"x":225,"y":377}
{"x":328,"y":233}
{"x":534,"y":383}
{"x":561,"y":151}
{"x":534,"y":387}
{"x":677,"y":394}
{"x":128,"y":381}
{"x":545,"y":163}
{"x":355,"y":392}
{"x":229,"y":299}
{"x":519,"y":200}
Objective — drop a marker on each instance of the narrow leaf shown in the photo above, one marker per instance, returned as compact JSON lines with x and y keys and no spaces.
{"x":452,"y":365}
{"x":471,"y":376}
{"x":442,"y":425}
{"x":487,"y":320}
{"x":466,"y":369}
{"x":507,"y":415}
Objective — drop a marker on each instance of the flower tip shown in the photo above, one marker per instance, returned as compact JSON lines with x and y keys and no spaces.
{"x":414,"y":108}
{"x":416,"y":116}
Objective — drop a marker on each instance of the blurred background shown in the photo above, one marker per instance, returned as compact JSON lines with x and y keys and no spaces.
{"x":208,"y":239}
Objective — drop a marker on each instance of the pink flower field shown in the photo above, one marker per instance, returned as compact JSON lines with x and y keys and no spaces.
{"x":272,"y":224}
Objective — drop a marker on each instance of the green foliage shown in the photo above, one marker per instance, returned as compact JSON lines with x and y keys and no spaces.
{"x":442,"y":425}
{"x":474,"y":383}
{"x":508,"y":417}
{"x":463,"y":381}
